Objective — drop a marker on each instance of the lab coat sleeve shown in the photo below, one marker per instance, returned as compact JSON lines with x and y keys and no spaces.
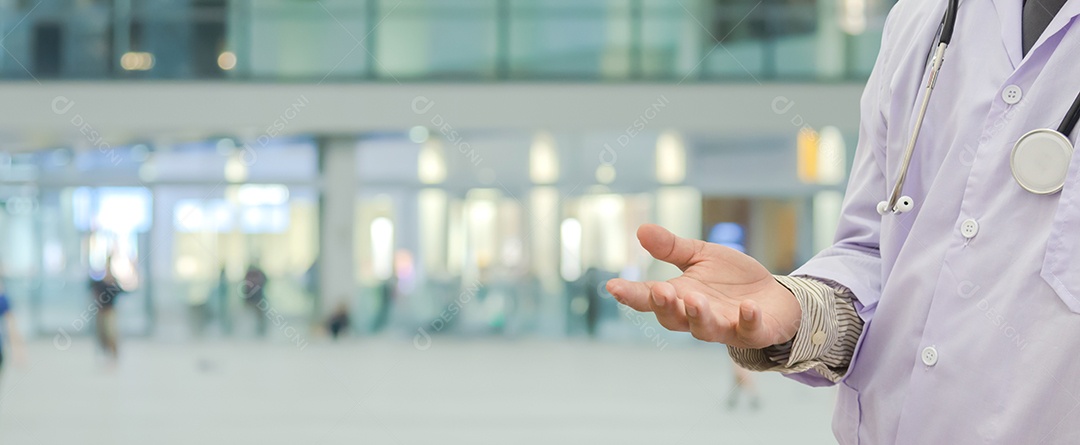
{"x":854,"y":259}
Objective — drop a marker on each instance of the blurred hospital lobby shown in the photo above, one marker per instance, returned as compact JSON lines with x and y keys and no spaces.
{"x":391,"y":221}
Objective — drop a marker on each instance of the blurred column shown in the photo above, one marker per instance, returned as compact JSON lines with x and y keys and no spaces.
{"x":432,"y":203}
{"x":337,"y":214}
{"x":434,"y":207}
{"x":161,"y":250}
{"x":544,"y":234}
{"x":545,"y":242}
{"x":831,"y":169}
{"x":830,"y":40}
{"x":678,"y":207}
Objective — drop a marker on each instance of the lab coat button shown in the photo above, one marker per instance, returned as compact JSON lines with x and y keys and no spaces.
{"x":1012,"y":94}
{"x":818,"y":338}
{"x":929,"y":356}
{"x":969,"y":228}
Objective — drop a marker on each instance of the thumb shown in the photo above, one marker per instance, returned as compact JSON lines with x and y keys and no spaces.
{"x":750,"y":329}
{"x":665,"y":246}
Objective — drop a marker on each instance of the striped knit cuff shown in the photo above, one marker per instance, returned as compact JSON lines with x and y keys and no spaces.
{"x":819,"y":328}
{"x":752,"y":359}
{"x":825,"y":342}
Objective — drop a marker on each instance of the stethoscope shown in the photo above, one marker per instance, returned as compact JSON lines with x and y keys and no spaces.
{"x":1039,"y":159}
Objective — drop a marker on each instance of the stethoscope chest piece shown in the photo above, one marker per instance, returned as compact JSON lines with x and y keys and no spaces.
{"x":1040,"y":161}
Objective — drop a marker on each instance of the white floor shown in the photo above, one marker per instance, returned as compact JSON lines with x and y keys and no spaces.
{"x":386,"y":391}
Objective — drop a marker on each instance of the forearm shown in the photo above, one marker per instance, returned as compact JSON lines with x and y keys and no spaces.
{"x":825,"y":341}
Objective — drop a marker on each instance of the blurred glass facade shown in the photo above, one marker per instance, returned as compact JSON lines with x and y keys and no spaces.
{"x":414,"y":40}
{"x":518,"y":240}
{"x":514,"y":231}
{"x":397,"y":171}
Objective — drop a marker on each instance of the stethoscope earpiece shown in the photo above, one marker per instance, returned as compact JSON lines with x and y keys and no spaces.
{"x":904,"y":204}
{"x":882,"y":208}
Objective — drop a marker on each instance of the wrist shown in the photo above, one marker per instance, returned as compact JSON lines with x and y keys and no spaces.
{"x":793,"y":310}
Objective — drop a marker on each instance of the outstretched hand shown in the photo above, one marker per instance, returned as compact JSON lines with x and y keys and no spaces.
{"x":722,"y":296}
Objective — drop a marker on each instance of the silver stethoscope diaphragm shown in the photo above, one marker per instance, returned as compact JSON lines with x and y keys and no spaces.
{"x":1040,"y":161}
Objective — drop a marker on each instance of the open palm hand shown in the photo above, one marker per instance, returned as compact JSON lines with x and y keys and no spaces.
{"x":722,"y":296}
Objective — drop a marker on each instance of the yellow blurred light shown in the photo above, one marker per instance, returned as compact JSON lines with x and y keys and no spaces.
{"x":382,"y":247}
{"x":853,"y":16}
{"x":831,"y":156}
{"x":137,"y":61}
{"x":235,"y":169}
{"x":605,"y":174}
{"x":186,"y":267}
{"x":129,"y":61}
{"x":227,"y":60}
{"x":431,"y":165}
{"x":670,"y":158}
{"x":543,"y":159}
{"x":806,"y":145}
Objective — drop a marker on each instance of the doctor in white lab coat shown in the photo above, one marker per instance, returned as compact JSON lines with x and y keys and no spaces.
{"x":957,"y":321}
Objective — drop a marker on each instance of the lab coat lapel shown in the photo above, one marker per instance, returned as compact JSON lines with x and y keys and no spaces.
{"x":1061,"y":20}
{"x":1010,"y":14}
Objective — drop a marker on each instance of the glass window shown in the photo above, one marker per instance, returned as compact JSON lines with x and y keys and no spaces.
{"x":303,"y":40}
{"x":569,"y":38}
{"x":422,"y":39}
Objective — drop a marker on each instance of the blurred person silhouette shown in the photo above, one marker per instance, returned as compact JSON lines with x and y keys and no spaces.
{"x":10,"y":337}
{"x":387,"y":292}
{"x":595,"y":279}
{"x":104,"y":292}
{"x":311,"y":279}
{"x":744,"y":383}
{"x":254,"y":290}
{"x":221,"y":301}
{"x":339,"y":321}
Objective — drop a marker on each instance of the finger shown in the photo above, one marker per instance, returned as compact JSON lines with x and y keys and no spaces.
{"x":705,"y":324}
{"x":750,"y":329}
{"x":668,"y":308}
{"x":665,"y":246}
{"x":634,"y":294}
